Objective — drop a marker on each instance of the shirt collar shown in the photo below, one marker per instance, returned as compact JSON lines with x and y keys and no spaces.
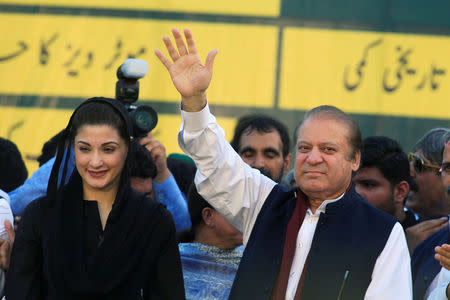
{"x":323,"y":206}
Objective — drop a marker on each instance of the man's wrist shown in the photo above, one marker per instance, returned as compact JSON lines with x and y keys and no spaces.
{"x":162,"y":176}
{"x":194,"y":103}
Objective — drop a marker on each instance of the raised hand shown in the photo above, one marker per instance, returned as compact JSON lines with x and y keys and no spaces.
{"x":190,"y":77}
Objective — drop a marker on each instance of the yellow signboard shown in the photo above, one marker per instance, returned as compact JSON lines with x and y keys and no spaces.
{"x":366,"y":72}
{"x":269,"y":8}
{"x":75,"y":56}
{"x":30,"y":128}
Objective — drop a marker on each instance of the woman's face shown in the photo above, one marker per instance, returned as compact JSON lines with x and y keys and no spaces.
{"x":100,"y":155}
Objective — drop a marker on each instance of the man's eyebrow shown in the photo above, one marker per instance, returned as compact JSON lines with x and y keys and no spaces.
{"x":271,"y":150}
{"x":247,"y":148}
{"x":303,"y":142}
{"x":328,"y":144}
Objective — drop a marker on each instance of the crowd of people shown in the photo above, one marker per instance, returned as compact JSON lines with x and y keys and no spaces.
{"x":110,"y":216}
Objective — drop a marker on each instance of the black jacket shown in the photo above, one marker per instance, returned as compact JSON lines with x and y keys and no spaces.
{"x":350,"y":235}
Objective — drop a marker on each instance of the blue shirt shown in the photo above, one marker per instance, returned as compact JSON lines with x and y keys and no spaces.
{"x":208,"y":271}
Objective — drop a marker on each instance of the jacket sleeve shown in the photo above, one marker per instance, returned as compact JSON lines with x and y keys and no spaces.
{"x":231,"y":186}
{"x":24,"y":277}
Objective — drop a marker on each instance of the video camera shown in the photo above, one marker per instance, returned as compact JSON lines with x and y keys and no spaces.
{"x":144,"y":118}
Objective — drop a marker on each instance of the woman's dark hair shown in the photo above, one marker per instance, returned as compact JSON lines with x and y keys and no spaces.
{"x":98,"y":113}
{"x":94,"y":111}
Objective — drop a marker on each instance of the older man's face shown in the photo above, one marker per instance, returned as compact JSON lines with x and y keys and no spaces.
{"x":428,"y":196}
{"x":323,"y":166}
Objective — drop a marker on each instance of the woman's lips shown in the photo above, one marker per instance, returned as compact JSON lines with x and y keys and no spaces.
{"x":97,"y":174}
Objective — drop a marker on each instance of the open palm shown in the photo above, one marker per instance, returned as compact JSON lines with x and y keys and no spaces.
{"x":190,"y":77}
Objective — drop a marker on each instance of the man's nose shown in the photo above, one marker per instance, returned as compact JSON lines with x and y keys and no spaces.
{"x":259,"y":161}
{"x":314,"y":156}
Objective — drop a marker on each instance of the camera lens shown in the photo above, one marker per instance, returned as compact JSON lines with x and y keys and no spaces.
{"x":144,"y":119}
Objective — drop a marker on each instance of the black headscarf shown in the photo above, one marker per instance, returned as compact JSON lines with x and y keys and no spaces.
{"x":126,"y":234}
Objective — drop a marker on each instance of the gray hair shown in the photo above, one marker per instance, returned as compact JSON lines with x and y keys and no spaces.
{"x":447,"y":138}
{"x":432,"y":144}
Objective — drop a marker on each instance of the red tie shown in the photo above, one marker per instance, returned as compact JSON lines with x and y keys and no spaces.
{"x":290,"y":245}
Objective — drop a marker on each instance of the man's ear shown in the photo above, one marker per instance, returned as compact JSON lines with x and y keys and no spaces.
{"x":401,"y":190}
{"x":356,"y":160}
{"x":287,"y":163}
{"x":207,"y":216}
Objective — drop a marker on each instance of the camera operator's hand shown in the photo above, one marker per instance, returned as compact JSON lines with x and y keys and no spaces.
{"x":190,"y":77}
{"x":158,"y":153}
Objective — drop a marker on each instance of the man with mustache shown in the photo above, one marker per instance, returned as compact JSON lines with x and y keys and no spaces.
{"x":431,"y":259}
{"x":321,"y":241}
{"x":263,"y":143}
{"x":427,"y":198}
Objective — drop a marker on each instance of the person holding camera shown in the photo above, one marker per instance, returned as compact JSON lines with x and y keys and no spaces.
{"x":95,"y":238}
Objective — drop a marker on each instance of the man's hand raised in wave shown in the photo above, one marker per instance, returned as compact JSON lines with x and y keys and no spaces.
{"x":190,"y":77}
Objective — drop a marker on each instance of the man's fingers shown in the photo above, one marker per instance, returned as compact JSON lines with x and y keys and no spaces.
{"x":10,"y":230}
{"x":436,"y":225}
{"x":444,"y":261}
{"x":210,"y":59}
{"x":179,"y":41}
{"x":433,"y":230}
{"x":171,"y":49}
{"x":165,"y":61}
{"x":190,"y":42}
{"x":428,"y":224}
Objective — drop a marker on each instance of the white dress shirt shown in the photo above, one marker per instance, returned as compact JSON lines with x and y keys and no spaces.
{"x":238,"y":192}
{"x":438,"y":288}
{"x":5,"y":214}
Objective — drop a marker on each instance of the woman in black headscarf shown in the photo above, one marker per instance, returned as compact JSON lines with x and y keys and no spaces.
{"x":95,"y":238}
